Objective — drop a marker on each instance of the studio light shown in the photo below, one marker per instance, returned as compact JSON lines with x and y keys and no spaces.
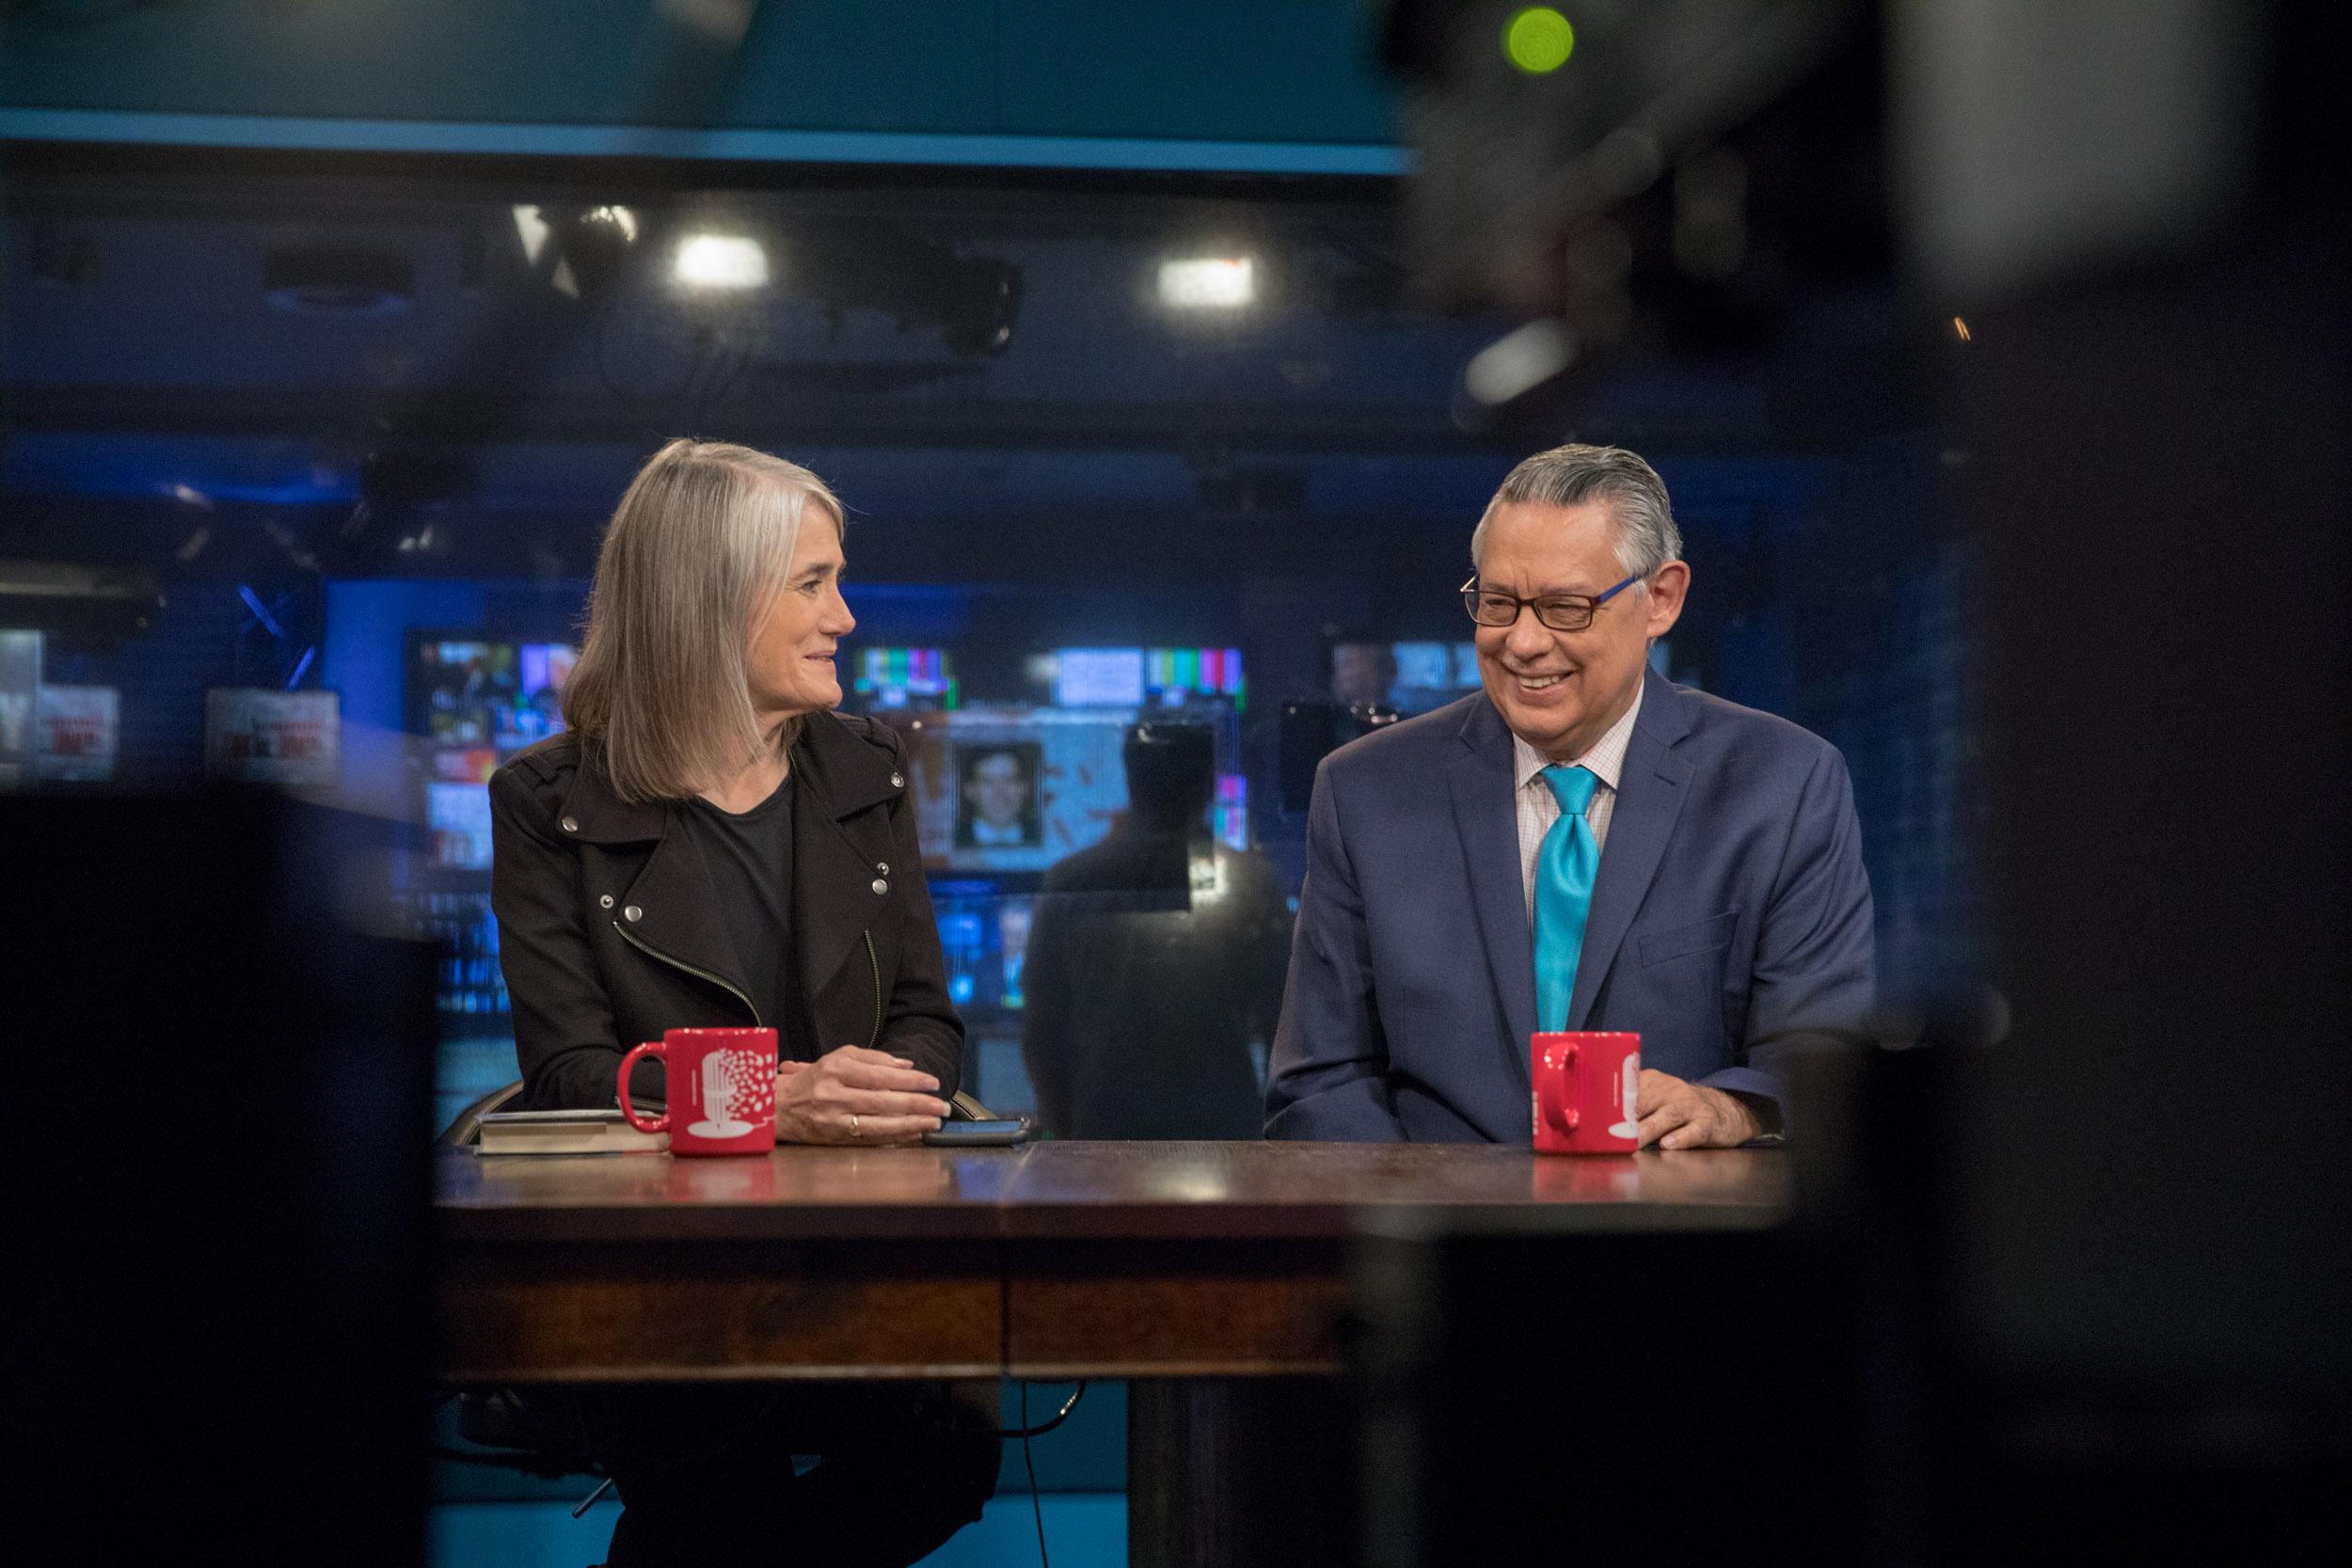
{"x":531,"y":228}
{"x":721,"y":262}
{"x":1538,"y":41}
{"x":1512,"y":366}
{"x":595,"y":245}
{"x":1208,"y":283}
{"x":581,"y":249}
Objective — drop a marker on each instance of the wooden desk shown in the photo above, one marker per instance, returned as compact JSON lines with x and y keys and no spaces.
{"x":1214,"y":1276}
{"x":1051,"y":1260}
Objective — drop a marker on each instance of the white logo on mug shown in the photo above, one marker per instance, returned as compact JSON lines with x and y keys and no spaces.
{"x":730,"y":1085}
{"x":1628,"y":1096}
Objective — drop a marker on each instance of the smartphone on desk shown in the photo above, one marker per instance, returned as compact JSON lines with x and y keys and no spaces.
{"x":980,"y":1134}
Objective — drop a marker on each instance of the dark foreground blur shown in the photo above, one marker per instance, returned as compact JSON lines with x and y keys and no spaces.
{"x":217,"y":1185}
{"x":2072,"y":1274}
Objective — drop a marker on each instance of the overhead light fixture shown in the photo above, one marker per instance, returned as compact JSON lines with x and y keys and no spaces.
{"x":1208,"y":283}
{"x":620,"y":218}
{"x":721,"y":262}
{"x":532,"y":229}
{"x":579,"y":250}
{"x":595,"y":245}
{"x":1512,"y":366}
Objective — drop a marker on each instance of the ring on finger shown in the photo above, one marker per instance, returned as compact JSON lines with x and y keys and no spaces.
{"x":853,"y":1131}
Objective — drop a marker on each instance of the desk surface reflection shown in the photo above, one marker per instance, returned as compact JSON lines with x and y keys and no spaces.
{"x":1077,"y":1189}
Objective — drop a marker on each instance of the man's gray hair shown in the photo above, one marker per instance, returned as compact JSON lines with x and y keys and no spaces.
{"x":1572,"y":475}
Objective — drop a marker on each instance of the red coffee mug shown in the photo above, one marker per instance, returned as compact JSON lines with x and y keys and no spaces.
{"x":722,"y":1087}
{"x":1586,"y":1088}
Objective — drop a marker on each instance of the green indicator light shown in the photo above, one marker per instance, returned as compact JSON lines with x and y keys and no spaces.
{"x":1538,"y":40}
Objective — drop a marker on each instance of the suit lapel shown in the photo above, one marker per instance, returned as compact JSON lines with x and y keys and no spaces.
{"x":1488,"y":821}
{"x":1650,"y":790}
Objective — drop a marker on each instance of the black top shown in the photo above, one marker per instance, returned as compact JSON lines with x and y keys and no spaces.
{"x":611,"y":930}
{"x":749,"y":856}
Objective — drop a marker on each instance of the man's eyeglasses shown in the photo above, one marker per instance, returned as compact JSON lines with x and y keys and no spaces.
{"x":1559,"y":611}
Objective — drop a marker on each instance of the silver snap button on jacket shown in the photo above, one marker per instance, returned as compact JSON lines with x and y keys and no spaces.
{"x":880,"y":886}
{"x":606,"y":900}
{"x":883,"y":866}
{"x":571,"y":824}
{"x":898,"y":782}
{"x":631,"y":912}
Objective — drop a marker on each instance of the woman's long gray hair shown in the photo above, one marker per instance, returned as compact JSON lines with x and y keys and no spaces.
{"x":701,"y":541}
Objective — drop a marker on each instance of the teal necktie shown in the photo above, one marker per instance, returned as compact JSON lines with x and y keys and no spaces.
{"x":1565,"y":864}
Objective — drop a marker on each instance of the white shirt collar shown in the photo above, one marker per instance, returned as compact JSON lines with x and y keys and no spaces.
{"x":1605,"y":760}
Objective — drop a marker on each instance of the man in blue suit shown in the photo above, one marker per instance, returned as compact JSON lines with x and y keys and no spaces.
{"x":1582,"y":845}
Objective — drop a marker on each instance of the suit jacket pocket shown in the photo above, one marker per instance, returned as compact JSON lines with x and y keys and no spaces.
{"x":1711,"y":935}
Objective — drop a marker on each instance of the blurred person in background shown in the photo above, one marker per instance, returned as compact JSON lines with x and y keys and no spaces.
{"x":709,"y":845}
{"x":1582,"y":845}
{"x":1154,"y":960}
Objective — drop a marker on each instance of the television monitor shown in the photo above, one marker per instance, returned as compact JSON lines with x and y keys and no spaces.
{"x":1172,"y":676}
{"x":259,"y":734}
{"x":904,"y":678}
{"x":1137,"y":677}
{"x":1015,"y":789}
{"x":19,"y":702}
{"x":458,"y":817}
{"x":1004,"y":791}
{"x":984,"y":935}
{"x":1233,"y":811}
{"x":1411,"y":677}
{"x":475,"y":702}
{"x":81,"y":729}
{"x":1098,"y":677}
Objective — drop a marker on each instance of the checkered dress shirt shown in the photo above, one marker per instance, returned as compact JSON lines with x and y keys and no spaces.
{"x":1539,"y":808}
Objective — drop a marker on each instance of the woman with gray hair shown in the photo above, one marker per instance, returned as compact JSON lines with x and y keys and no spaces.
{"x":708,"y":845}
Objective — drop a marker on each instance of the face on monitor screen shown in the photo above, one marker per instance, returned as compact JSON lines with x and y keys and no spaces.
{"x":997,"y":798}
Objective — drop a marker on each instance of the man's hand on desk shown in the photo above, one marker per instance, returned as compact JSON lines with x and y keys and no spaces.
{"x":1678,"y":1115}
{"x":855,"y":1095}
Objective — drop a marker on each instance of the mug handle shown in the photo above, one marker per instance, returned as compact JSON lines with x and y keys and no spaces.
{"x":1564,"y":1074}
{"x":661,"y":1123}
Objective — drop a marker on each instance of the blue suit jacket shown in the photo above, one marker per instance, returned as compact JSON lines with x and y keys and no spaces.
{"x":1731,"y":915}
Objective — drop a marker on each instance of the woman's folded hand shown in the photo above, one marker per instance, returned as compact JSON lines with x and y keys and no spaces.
{"x":856,"y":1095}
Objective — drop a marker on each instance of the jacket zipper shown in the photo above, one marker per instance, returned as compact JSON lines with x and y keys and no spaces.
{"x":701,"y":974}
{"x":875,"y":965}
